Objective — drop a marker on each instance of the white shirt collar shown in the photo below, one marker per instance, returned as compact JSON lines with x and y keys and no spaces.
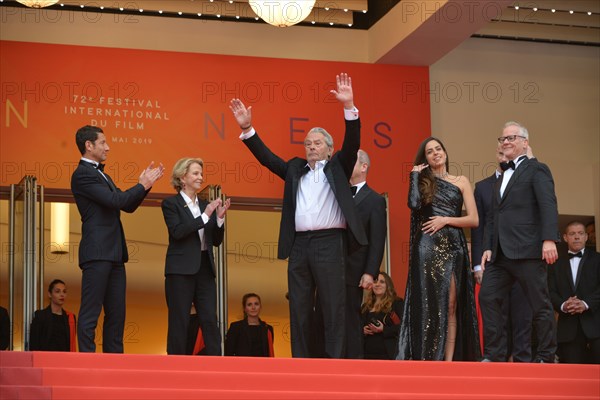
{"x":187,"y":200}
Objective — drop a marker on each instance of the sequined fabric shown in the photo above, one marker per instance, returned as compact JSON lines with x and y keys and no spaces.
{"x":434,"y":261}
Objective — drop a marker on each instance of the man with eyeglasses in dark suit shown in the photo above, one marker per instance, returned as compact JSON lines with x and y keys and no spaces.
{"x":519,"y":241}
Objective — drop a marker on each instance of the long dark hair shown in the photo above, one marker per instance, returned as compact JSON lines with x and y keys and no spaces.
{"x":427,"y":182}
{"x":388,"y":297}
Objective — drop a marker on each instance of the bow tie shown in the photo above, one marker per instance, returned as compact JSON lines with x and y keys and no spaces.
{"x":99,"y":167}
{"x":354,"y":189}
{"x":507,"y":165}
{"x":510,"y":164}
{"x":578,"y":254}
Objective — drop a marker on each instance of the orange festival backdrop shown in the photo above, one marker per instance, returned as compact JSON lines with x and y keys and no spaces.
{"x":161,"y":106}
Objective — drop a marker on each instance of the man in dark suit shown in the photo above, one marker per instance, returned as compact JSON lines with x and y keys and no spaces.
{"x":515,"y":308}
{"x":363,"y":267}
{"x":574,"y":283}
{"x":519,"y":240}
{"x":318,"y":211}
{"x":103,"y":250}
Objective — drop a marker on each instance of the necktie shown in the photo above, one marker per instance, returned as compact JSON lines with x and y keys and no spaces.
{"x":100,"y":167}
{"x":578,"y":254}
{"x":354,"y":189}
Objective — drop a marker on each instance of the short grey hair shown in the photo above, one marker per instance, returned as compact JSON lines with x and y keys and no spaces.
{"x":364,"y":158}
{"x":326,"y":135}
{"x":522,"y":130}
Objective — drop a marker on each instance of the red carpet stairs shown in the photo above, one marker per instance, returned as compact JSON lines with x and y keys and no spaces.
{"x":41,"y":375}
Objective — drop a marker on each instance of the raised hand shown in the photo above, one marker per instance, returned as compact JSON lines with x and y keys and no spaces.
{"x":242,"y":115}
{"x":344,"y":92}
{"x":151,"y":174}
{"x":222,"y":209}
{"x":419,"y":168}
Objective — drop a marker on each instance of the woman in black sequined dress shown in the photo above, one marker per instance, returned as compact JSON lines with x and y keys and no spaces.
{"x":439,"y":320}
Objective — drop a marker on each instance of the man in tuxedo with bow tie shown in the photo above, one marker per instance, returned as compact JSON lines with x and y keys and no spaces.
{"x":515,"y":308}
{"x":574,"y":283}
{"x":318,"y":220}
{"x":519,"y":241}
{"x":103,"y":249}
{"x":363,"y":267}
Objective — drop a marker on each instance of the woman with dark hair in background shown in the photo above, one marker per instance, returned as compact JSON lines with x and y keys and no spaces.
{"x":381,"y":312}
{"x":251,"y":336}
{"x":439,"y":320}
{"x":53,"y":328}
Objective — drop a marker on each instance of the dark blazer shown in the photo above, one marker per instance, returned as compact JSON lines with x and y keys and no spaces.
{"x":237,"y":341}
{"x":338,"y":171}
{"x":586,"y":288}
{"x":100,"y":203}
{"x":41,"y":331}
{"x":367,"y":260}
{"x":484,"y":193}
{"x":184,"y":253}
{"x":529,"y":213}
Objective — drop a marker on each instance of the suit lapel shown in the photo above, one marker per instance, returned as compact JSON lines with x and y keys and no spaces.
{"x":579,"y":269}
{"x":362,"y":194}
{"x":329,"y":174}
{"x":496,"y":188}
{"x":110,"y":182}
{"x":106,"y":179}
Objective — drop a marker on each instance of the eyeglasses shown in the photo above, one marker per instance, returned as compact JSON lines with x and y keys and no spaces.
{"x":509,"y":138}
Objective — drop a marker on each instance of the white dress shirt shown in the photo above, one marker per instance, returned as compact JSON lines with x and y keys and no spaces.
{"x":509,"y":173}
{"x":574,"y":269}
{"x":316,"y":205}
{"x":194,"y":207}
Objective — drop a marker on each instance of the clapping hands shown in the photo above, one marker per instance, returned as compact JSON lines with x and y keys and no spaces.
{"x":151,"y":174}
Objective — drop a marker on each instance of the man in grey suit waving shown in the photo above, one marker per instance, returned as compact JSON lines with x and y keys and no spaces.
{"x":520,"y":239}
{"x":103,"y":249}
{"x":318,"y":211}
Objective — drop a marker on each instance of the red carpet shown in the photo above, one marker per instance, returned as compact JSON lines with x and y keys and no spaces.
{"x":41,"y":375}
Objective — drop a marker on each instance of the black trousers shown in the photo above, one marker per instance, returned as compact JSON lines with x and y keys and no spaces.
{"x":354,"y":324}
{"x":201,"y":290}
{"x":317,"y":262}
{"x":531,"y":274}
{"x":580,"y":350}
{"x":519,"y":324}
{"x":103,"y":284}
